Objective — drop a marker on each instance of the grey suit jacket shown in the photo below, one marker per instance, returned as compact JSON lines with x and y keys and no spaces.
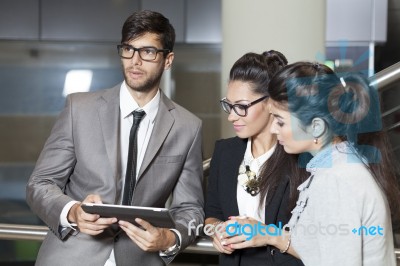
{"x":81,"y":157}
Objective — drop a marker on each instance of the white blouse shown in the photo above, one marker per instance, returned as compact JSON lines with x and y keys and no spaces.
{"x":249,"y":205}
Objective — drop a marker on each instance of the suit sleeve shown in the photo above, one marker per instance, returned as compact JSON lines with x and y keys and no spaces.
{"x":45,"y":188}
{"x":187,"y":197}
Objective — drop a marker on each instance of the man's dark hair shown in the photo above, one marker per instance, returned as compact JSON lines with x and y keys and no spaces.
{"x":146,"y":21}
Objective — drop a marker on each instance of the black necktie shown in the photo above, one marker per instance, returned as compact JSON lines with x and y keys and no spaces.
{"x":130,"y":176}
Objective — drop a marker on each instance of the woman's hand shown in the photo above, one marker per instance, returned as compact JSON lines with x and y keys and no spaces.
{"x":219,"y":229}
{"x":246,"y":232}
{"x":219,"y":235}
{"x":241,"y":232}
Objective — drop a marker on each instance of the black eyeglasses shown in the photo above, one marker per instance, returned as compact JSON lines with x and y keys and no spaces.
{"x":240,"y":109}
{"x":146,"y":53}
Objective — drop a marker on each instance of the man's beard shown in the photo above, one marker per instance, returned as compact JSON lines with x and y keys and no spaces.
{"x":148,"y":85}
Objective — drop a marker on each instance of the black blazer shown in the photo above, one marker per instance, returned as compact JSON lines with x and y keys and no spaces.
{"x":221,"y":202}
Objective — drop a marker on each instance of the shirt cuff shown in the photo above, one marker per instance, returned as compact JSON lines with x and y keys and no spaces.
{"x":64,"y":213}
{"x":177,"y":233}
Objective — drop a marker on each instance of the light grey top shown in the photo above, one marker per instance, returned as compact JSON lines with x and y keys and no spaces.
{"x":342,"y":216}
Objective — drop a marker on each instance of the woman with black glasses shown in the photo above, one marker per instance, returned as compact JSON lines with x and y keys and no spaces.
{"x":251,"y":177}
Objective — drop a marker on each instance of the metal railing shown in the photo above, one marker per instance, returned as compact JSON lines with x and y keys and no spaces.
{"x":382,"y":80}
{"x":202,"y":245}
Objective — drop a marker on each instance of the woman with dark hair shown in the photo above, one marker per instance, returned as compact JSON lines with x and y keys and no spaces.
{"x":251,"y":178}
{"x":343,"y":214}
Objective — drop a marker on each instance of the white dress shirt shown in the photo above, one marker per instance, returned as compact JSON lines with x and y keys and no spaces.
{"x":127,"y":106}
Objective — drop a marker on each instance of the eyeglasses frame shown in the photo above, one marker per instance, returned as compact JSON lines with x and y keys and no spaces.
{"x":119,"y":46}
{"x":244,"y":106}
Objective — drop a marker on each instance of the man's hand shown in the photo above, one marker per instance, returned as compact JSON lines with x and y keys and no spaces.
{"x":87,"y":223}
{"x":149,"y":238}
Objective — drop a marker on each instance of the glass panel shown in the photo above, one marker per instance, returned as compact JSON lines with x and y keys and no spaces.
{"x":32,"y":78}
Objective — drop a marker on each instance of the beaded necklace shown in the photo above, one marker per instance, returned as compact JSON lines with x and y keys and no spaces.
{"x":248,"y":178}
{"x":248,"y":170}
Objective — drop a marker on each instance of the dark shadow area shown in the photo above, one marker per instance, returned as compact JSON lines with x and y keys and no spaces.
{"x":196,"y":259}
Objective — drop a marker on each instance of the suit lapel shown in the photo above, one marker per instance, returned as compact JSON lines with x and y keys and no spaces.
{"x":273,"y":208}
{"x":235,"y":155}
{"x":162,"y":126}
{"x":109,"y":113}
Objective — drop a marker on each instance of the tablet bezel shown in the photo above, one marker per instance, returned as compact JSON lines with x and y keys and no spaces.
{"x":158,"y":217}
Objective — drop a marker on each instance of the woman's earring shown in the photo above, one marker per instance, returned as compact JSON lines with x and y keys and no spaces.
{"x":316,"y":140}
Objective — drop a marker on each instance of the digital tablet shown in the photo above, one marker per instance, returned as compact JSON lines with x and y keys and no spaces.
{"x":158,"y":217}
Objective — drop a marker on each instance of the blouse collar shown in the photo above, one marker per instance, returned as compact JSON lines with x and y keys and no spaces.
{"x":324,"y":158}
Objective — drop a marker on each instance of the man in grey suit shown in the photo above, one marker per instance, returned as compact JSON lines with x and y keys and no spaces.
{"x":86,"y":156}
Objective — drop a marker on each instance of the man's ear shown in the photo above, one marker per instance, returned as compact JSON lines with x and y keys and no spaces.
{"x":318,"y":127}
{"x":168,"y":61}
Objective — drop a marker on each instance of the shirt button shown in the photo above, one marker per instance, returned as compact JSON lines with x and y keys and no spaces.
{"x":273,"y":252}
